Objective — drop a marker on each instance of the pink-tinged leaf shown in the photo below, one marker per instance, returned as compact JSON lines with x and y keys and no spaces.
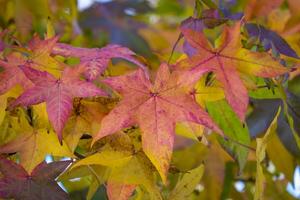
{"x":12,"y":75}
{"x":96,"y":60}
{"x":162,"y":77}
{"x":39,"y":185}
{"x":39,"y":57}
{"x":158,"y":134}
{"x":82,"y":89}
{"x":58,"y":94}
{"x":183,"y":70}
{"x":227,"y":60}
{"x":59,"y":107}
{"x":196,"y":40}
{"x":126,"y":85}
{"x":37,"y":77}
{"x":155,"y":108}
{"x":42,"y":46}
{"x":235,"y":91}
{"x":119,"y":191}
{"x":120,"y":114}
{"x":34,"y":95}
{"x":183,"y":108}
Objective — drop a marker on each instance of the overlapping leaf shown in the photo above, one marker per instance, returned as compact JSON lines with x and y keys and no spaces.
{"x":117,"y":191}
{"x":260,"y":156}
{"x":34,"y":146}
{"x":37,"y":56}
{"x":31,"y":137}
{"x":269,"y":39}
{"x":155,"y":108}
{"x":187,"y":184}
{"x":57,"y":93}
{"x":149,"y":110}
{"x":96,"y":60}
{"x":227,"y":60}
{"x":12,"y":75}
{"x":126,"y":167}
{"x":13,"y":124}
{"x":40,"y":55}
{"x":223,"y":115}
{"x":39,"y":185}
{"x":84,"y":120}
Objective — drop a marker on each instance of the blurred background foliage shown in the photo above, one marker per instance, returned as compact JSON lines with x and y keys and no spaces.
{"x":151,"y":28}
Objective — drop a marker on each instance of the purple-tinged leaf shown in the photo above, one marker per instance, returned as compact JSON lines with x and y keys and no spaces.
{"x":39,"y":185}
{"x":210,"y":19}
{"x":225,"y":7}
{"x":270,"y":39}
{"x":195,"y":24}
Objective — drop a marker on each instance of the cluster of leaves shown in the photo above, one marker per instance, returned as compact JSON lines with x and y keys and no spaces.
{"x":120,"y":131}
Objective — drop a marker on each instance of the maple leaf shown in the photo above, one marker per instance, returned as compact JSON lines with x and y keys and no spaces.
{"x":57,"y":93}
{"x":155,"y":108}
{"x":12,"y":124}
{"x":84,"y":120}
{"x":38,"y":46}
{"x":96,"y":60}
{"x":38,"y":57}
{"x":34,"y":146}
{"x":41,"y":53}
{"x":39,"y":185}
{"x":187,"y":184}
{"x":227,"y":60}
{"x":125,"y":166}
{"x":12,"y":75}
{"x":269,"y":39}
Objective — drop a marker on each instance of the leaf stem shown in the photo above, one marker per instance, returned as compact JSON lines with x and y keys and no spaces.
{"x":239,"y":143}
{"x":95,"y":174}
{"x":174,"y":47}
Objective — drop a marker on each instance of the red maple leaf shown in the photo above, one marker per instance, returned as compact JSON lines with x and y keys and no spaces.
{"x":38,"y":57}
{"x":39,"y":185}
{"x":96,"y":60}
{"x":12,"y":75}
{"x":39,"y":46}
{"x":227,"y":60}
{"x":57,"y":93}
{"x":38,"y":54}
{"x":155,"y":108}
